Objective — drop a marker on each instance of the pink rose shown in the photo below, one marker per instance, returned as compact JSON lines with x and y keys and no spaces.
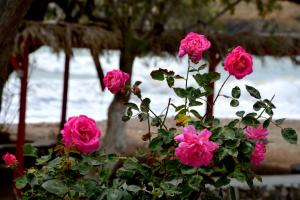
{"x":9,"y":159}
{"x":194,"y":45}
{"x":238,"y":63}
{"x":194,"y":148}
{"x":256,"y":133}
{"x":115,"y":80}
{"x":259,"y":151}
{"x":81,"y":133}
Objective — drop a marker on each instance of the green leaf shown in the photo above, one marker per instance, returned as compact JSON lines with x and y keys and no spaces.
{"x":267,"y":122}
{"x":125,"y":118}
{"x":250,"y":121}
{"x":56,"y":187}
{"x":196,"y":114}
{"x":29,"y":150}
{"x":137,"y":83}
{"x":234,"y":103}
{"x":180,"y":92}
{"x":129,"y":112}
{"x":188,"y":170}
{"x":84,"y":168}
{"x":170,"y":81}
{"x":195,"y":182}
{"x":44,"y":159}
{"x":133,"y":188}
{"x":246,"y":148}
{"x":267,"y":101}
{"x":236,"y":92}
{"x":178,"y":77}
{"x":229,"y":133}
{"x":21,"y":182}
{"x":132,"y":105}
{"x":167,"y":136}
{"x":145,"y":105}
{"x":203,"y":66}
{"x":289,"y":135}
{"x":240,"y":113}
{"x":114,"y":194}
{"x":253,"y":92}
{"x":232,"y":123}
{"x":222,"y":181}
{"x":206,"y":78}
{"x":269,"y":111}
{"x":279,"y":121}
{"x":157,"y":74}
{"x":179,"y":107}
{"x":155,"y":143}
{"x":258,"y":105}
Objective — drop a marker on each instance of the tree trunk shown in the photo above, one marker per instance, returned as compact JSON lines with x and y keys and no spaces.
{"x":11,"y":15}
{"x":116,"y":135}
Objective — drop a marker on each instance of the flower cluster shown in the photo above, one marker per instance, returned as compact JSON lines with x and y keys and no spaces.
{"x":194,"y":148}
{"x":259,"y":134}
{"x":178,"y":164}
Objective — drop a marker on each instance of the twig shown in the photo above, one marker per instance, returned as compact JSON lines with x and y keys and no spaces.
{"x":186,"y":83}
{"x":169,"y":102}
{"x":221,"y":89}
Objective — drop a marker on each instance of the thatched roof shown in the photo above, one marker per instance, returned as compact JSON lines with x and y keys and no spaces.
{"x":66,"y":36}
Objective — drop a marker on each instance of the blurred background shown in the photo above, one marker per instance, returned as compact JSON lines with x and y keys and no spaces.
{"x":86,"y":38}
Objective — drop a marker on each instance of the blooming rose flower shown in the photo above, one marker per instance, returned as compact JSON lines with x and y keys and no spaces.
{"x":238,"y":63}
{"x":81,"y":133}
{"x":256,"y":133}
{"x":259,"y":151}
{"x":194,"y":148}
{"x":9,"y":159}
{"x":194,"y":45}
{"x":115,"y":80}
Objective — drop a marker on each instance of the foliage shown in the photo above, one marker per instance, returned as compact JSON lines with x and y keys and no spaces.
{"x":159,"y":173}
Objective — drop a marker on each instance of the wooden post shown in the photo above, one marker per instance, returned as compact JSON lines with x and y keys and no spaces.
{"x":65,"y":91}
{"x":22,"y":113}
{"x":98,"y":69}
{"x":214,"y":61}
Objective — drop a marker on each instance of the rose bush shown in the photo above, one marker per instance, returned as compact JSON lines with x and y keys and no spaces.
{"x":182,"y":162}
